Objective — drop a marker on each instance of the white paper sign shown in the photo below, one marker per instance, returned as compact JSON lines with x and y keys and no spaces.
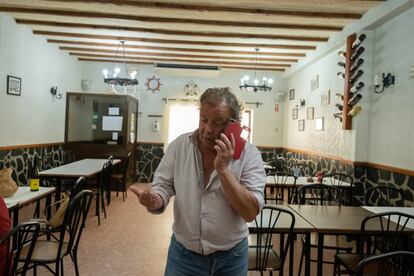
{"x":115,"y":136}
{"x":113,"y":111}
{"x":112,"y":123}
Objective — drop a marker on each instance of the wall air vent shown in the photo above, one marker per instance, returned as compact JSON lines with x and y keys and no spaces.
{"x":193,"y":70}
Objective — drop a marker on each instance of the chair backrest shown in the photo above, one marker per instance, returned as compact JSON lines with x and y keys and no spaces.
{"x":389,"y":231}
{"x":279,"y":179}
{"x":25,"y":236}
{"x":74,"y":221}
{"x":105,"y":176}
{"x":269,"y":219}
{"x":384,"y":195}
{"x":79,"y":185}
{"x":68,"y":157}
{"x":126,"y":165}
{"x":320,"y":194}
{"x":47,"y":161}
{"x":338,"y":179}
{"x":397,"y":263}
{"x":301,"y":169}
{"x":278,"y":164}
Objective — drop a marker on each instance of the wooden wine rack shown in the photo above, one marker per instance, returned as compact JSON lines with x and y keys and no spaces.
{"x":346,"y":119}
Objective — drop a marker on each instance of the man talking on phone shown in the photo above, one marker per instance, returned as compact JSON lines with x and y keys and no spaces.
{"x":215,"y":195}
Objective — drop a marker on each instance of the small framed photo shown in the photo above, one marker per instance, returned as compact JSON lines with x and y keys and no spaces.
{"x":319,"y":124}
{"x":291,"y":94}
{"x":14,"y":85}
{"x":301,"y":125}
{"x":294,"y":113}
{"x":325,"y":98}
{"x":315,"y":82}
{"x":309,"y":113}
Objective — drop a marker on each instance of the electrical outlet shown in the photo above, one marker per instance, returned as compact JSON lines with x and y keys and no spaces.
{"x":411,"y":72}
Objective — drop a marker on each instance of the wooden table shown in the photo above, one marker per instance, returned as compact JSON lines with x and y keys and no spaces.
{"x":282,"y":227}
{"x":82,"y":168}
{"x":334,"y":220}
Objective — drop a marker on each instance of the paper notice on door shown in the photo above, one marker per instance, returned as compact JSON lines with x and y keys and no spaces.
{"x":115,"y":136}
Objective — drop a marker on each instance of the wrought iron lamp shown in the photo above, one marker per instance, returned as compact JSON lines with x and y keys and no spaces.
{"x":114,"y":78}
{"x":256,"y":85}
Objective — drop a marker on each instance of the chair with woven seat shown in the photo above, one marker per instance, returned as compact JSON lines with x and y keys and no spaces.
{"x":390,"y":232}
{"x":341,"y":181}
{"x":397,"y":263}
{"x":25,"y":236}
{"x":49,"y":253}
{"x":322,"y":195}
{"x":122,"y":178}
{"x":262,"y":254}
{"x":384,"y":195}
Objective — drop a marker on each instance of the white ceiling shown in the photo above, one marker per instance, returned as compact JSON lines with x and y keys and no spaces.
{"x":208,"y":32}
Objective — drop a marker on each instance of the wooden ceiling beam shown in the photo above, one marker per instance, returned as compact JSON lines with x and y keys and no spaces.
{"x":113,"y":57}
{"x":170,"y":41}
{"x":150,"y":19}
{"x":192,"y":7}
{"x":224,"y":66}
{"x":176,"y":49}
{"x":136,"y":29}
{"x":135,"y":54}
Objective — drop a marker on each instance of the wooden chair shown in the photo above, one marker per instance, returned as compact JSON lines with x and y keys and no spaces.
{"x":275,"y":192}
{"x":397,"y":263}
{"x":25,"y":236}
{"x":122,"y":178}
{"x":262,"y":255}
{"x":50,"y":253}
{"x":323,"y":195}
{"x":384,"y":195}
{"x":390,"y":236}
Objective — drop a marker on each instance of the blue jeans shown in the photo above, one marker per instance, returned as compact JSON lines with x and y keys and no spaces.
{"x":183,"y":262}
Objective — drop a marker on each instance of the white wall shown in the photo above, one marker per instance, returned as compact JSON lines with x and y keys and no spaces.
{"x":268,"y":125}
{"x":34,"y":117}
{"x":392,"y":112}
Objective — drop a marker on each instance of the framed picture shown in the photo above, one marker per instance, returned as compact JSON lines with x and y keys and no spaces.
{"x":301,"y":125}
{"x":14,"y":85}
{"x":325,"y":97}
{"x":294,"y":113}
{"x":309,"y":113}
{"x":315,"y":82}
{"x":319,"y":124}
{"x":291,"y":94}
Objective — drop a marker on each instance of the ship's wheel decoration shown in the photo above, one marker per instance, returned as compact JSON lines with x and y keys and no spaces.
{"x":153,"y":84}
{"x":191,"y":89}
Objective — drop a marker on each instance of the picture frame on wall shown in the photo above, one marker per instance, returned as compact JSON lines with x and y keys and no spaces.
{"x":301,"y":125}
{"x":319,"y":124}
{"x":325,"y":97}
{"x":14,"y":85}
{"x":291,"y":94}
{"x":315,"y":82}
{"x":294,"y":113}
{"x":309,"y":113}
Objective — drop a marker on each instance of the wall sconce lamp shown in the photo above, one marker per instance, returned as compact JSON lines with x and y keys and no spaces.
{"x":387,"y":80}
{"x":55,"y":93}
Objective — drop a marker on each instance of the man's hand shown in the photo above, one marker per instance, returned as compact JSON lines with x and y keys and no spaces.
{"x":225,"y":152}
{"x":146,"y":197}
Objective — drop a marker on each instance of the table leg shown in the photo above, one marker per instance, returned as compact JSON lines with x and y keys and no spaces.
{"x":307,"y":254}
{"x":320,"y":254}
{"x":291,"y":253}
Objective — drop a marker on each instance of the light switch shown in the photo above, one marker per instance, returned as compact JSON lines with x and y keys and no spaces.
{"x":411,"y":72}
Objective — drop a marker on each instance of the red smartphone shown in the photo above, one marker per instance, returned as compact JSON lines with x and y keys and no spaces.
{"x":240,"y":133}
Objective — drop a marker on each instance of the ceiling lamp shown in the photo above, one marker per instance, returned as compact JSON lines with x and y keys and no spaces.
{"x":256,"y":85}
{"x":115,"y":78}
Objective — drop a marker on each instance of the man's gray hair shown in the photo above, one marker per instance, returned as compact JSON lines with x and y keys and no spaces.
{"x":218,"y":95}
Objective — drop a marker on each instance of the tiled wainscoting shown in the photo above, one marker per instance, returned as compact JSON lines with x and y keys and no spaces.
{"x":19,"y":158}
{"x":148,"y":156}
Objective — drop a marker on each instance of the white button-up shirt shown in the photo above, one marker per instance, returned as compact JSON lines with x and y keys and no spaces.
{"x":204,"y":221}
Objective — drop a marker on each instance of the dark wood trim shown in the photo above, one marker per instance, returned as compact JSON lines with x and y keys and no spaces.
{"x":150,"y":143}
{"x":191,"y":50}
{"x":270,"y":147}
{"x":137,"y":54}
{"x":163,"y":31}
{"x":154,"y":59}
{"x":29,"y":146}
{"x":389,"y":168}
{"x":172,"y":41}
{"x":321,"y":155}
{"x":192,"y":7}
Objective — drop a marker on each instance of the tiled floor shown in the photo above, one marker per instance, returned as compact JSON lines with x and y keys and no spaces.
{"x":130,"y":242}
